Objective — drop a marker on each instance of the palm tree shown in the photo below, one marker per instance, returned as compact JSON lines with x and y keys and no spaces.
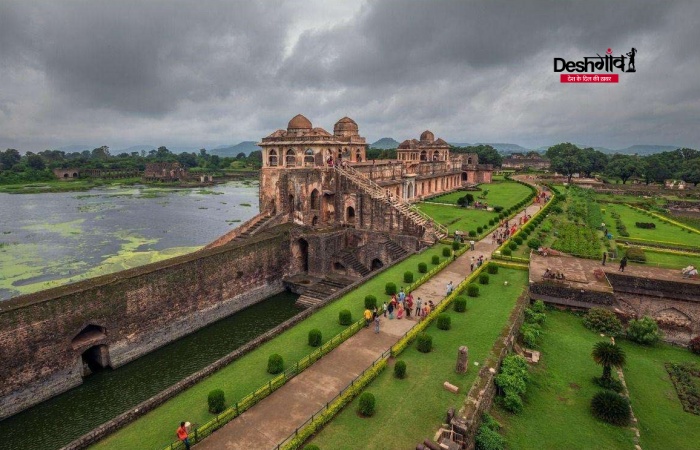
{"x":608,"y":355}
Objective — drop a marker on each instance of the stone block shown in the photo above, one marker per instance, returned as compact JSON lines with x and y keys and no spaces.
{"x":450,"y":387}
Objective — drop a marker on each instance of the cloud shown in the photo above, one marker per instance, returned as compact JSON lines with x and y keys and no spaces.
{"x":212,"y":72}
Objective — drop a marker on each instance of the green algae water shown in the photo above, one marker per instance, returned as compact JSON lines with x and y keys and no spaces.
{"x":108,"y":393}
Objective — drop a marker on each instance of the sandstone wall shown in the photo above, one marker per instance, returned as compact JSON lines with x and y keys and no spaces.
{"x":139,"y":309}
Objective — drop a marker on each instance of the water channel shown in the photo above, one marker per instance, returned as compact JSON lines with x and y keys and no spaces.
{"x":106,"y":394}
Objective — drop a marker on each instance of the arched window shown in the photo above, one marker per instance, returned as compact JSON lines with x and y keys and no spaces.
{"x":358,"y":156}
{"x":436,"y":156}
{"x":291,"y":158}
{"x":314,"y":199}
{"x":423,"y":156}
{"x":350,"y":215}
{"x":469,"y":160}
{"x":309,"y":157}
{"x":272,"y":158}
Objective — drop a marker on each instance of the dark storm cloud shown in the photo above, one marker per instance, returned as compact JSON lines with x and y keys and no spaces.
{"x":206,"y":72}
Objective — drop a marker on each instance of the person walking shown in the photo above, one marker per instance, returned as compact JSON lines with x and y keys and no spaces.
{"x":471,"y":265}
{"x":471,"y":245}
{"x":391,"y":309}
{"x":623,"y":264}
{"x":450,"y":288}
{"x":368,"y":317}
{"x":419,"y":306}
{"x":384,"y":308}
{"x":605,"y":257}
{"x":183,"y":436}
{"x":376,"y":325}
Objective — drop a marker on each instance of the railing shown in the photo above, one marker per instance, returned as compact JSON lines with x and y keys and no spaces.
{"x":377,"y":192}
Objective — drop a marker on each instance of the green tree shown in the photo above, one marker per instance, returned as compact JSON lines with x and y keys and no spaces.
{"x":9,"y":158}
{"x":241,"y":155}
{"x":625,"y":167}
{"x":35,"y":161}
{"x":100,"y":153}
{"x":657,"y":168}
{"x":608,"y":355}
{"x":163,"y":152}
{"x":567,"y":159}
{"x":691,"y":172}
{"x":595,"y":161}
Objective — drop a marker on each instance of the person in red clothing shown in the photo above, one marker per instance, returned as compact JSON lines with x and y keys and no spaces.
{"x":182,"y":435}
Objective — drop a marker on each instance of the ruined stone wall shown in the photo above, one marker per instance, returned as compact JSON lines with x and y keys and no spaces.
{"x":140,"y":310}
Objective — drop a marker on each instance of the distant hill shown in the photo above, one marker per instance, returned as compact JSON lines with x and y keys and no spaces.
{"x":232,"y":150}
{"x":385,"y":143}
{"x":460,"y":144}
{"x":506,"y":148}
{"x":646,"y":149}
{"x":133,"y":148}
{"x":76,"y":148}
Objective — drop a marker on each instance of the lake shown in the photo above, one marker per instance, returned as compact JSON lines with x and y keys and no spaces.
{"x":51,"y":239}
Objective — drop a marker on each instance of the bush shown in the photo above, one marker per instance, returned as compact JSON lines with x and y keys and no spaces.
{"x":483,"y":278}
{"x":472,"y":233}
{"x":400,"y":369}
{"x":488,"y":439}
{"x":455,"y":245}
{"x":460,"y":304}
{"x":390,"y":288}
{"x":491,"y":222}
{"x":444,"y":322}
{"x":612,"y":383}
{"x":518,"y":240}
{"x":644,"y":331}
{"x":216,"y":401}
{"x":446,"y":251}
{"x":345,"y":317}
{"x":531,"y":316}
{"x":479,"y":230}
{"x":694,"y":345}
{"x":507,"y":252}
{"x":512,"y":382}
{"x":636,"y":254}
{"x":492,"y":269}
{"x":424,"y":343}
{"x":275,"y":364}
{"x":367,"y":404}
{"x":370,"y":302}
{"x":611,"y":407}
{"x":534,"y":243}
{"x":512,"y":403}
{"x":408,"y":277}
{"x":435,"y":260}
{"x":603,"y":321}
{"x":512,"y":245}
{"x":498,"y":209}
{"x":422,"y":268}
{"x":530,"y":334}
{"x":315,"y":337}
{"x":647,"y":225}
{"x":473,"y":290}
{"x":538,"y":306}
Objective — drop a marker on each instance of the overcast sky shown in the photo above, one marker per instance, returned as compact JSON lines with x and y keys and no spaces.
{"x":209,"y":73}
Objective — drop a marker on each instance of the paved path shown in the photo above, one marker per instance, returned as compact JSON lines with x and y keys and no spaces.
{"x":276,"y":417}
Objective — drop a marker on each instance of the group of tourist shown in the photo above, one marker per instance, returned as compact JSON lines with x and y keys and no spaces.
{"x":475,"y":263}
{"x":399,"y":306}
{"x":505,"y":230}
{"x":689,"y":271}
{"x":550,"y":274}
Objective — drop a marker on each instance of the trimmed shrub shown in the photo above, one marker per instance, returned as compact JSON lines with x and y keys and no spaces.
{"x":491,"y":222}
{"x":435,"y":260}
{"x":424,"y":343}
{"x":455,"y":245}
{"x":408,"y":277}
{"x":507,"y":252}
{"x":422,"y":268}
{"x":472,"y":233}
{"x":275,"y":364}
{"x":390,"y":288}
{"x":512,"y":245}
{"x":216,"y":401}
{"x":636,"y":254}
{"x":538,"y":306}
{"x":370,"y":302}
{"x":345,"y":317}
{"x":446,"y":251}
{"x":460,"y":304}
{"x":647,"y":225}
{"x":694,"y":345}
{"x":367,"y":404}
{"x":315,"y":337}
{"x":534,"y":243}
{"x":488,"y":439}
{"x":444,"y":322}
{"x":603,"y":321}
{"x":644,"y":331}
{"x":400,"y":369}
{"x":492,"y":269}
{"x":611,"y":407}
{"x":483,"y":278}
{"x":479,"y":230}
{"x":473,"y":290}
{"x":498,"y":209}
{"x":518,"y":240}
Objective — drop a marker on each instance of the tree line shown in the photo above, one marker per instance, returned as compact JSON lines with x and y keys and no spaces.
{"x":18,"y":168}
{"x":680,"y":164}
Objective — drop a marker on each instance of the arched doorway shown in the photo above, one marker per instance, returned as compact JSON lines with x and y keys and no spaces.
{"x":469,"y":161}
{"x":358,"y":156}
{"x":436,"y":155}
{"x":423,"y":156}
{"x":304,"y":254}
{"x":464,"y":176}
{"x":376,"y":264}
{"x":314,"y":199}
{"x":350,"y":215}
{"x":291,"y":158}
{"x":92,"y":342}
{"x":291,"y":203}
{"x":314,"y":221}
{"x":75,"y":175}
{"x":338,"y":266}
{"x":308,"y":157}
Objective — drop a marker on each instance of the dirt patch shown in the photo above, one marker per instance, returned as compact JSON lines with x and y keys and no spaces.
{"x":574,"y":386}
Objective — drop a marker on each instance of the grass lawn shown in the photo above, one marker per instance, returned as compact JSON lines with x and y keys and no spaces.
{"x":556,"y":414}
{"x":671,"y":260}
{"x":456,"y":218}
{"x":505,"y":193}
{"x":662,"y":422}
{"x":243,"y":376}
{"x":664,"y":232}
{"x":411,"y":409}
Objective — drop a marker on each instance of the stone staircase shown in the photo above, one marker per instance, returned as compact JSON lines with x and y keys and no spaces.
{"x":324,"y":289}
{"x":349,"y":259}
{"x":395,"y":250}
{"x":406,"y":209}
{"x":243,"y":231}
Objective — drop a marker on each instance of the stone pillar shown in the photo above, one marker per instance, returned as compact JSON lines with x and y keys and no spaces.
{"x":462,"y":359}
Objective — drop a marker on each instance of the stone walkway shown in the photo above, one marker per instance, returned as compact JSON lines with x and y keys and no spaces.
{"x":276,"y":417}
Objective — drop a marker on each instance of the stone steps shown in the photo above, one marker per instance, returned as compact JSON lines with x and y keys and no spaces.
{"x":321,"y":291}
